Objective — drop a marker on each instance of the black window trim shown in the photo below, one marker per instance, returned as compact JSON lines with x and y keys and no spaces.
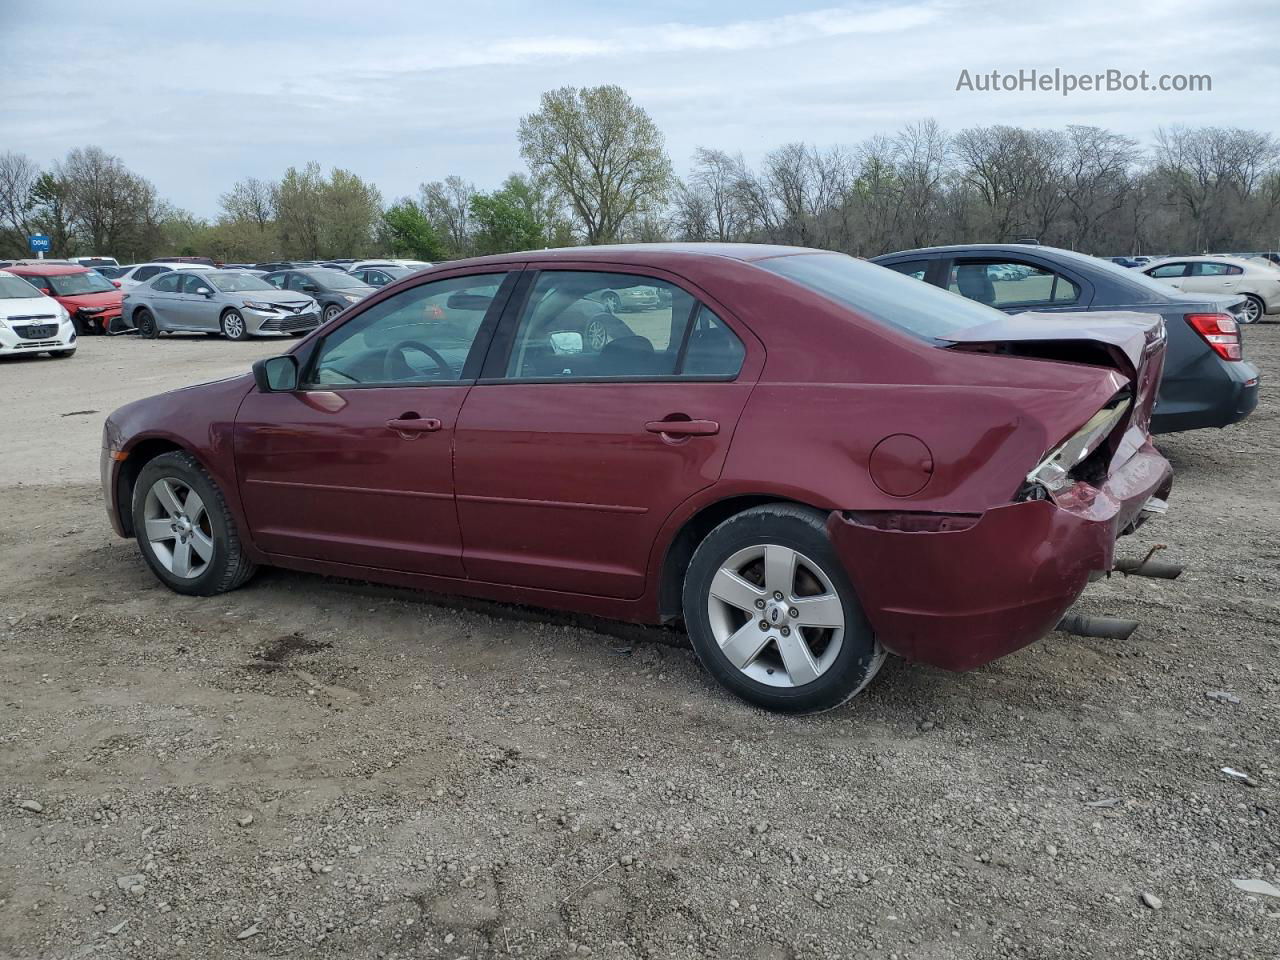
{"x":495,"y":366}
{"x":308,"y":357}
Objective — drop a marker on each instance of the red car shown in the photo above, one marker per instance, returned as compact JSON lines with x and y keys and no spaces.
{"x":813,"y":460}
{"x":92,"y":300}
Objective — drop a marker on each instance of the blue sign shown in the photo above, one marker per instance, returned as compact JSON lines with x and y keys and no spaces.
{"x":39,"y":243}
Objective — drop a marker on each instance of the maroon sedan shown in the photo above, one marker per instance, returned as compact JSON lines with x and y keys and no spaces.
{"x":813,"y":460}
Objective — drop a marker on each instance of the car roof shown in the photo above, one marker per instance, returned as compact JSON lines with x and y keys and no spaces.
{"x":1213,"y":258}
{"x":643,"y":254}
{"x":48,"y":269}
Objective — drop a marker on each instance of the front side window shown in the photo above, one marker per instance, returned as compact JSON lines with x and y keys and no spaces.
{"x":299,"y":281}
{"x":276,"y":280}
{"x":1169,"y":270}
{"x":910,"y":268}
{"x":585,"y":325}
{"x":168,"y":283}
{"x":77,"y":284}
{"x":332,"y":279}
{"x":419,"y":336}
{"x":1007,"y":284}
{"x":193,"y":283}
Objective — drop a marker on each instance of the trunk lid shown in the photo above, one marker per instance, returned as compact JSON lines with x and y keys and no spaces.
{"x":1133,"y":344}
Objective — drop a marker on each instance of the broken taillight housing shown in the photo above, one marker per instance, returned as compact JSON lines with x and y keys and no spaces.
{"x":1055,"y":472}
{"x":1220,"y":331}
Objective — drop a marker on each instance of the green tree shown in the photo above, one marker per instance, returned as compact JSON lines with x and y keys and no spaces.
{"x":300,"y":211}
{"x":410,"y":232}
{"x":509,"y":218}
{"x":602,"y":152}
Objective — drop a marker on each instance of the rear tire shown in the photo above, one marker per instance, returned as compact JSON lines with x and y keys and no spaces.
{"x":1254,"y":309}
{"x":792,"y":635}
{"x":210,"y":560}
{"x":145,"y":321}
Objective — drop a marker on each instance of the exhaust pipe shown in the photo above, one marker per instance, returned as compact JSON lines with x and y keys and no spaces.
{"x":1155,"y":569}
{"x":1147,"y":567}
{"x":1105,"y":628}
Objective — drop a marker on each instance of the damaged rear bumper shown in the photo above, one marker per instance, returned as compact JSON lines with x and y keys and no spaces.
{"x":975,"y":588}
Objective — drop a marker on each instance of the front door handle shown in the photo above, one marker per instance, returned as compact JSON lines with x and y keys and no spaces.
{"x":408,"y":426}
{"x":683,"y":428}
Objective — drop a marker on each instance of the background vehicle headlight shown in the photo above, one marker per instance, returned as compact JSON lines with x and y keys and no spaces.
{"x":349,"y":298}
{"x":1054,"y":471}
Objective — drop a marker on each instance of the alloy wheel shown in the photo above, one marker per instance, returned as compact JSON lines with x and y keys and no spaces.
{"x":776,"y":615}
{"x":597,"y":335}
{"x":233,"y":325}
{"x":331,"y":313}
{"x":178,"y":528}
{"x":1252,"y":311}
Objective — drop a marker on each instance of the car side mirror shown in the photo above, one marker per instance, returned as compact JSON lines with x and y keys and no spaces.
{"x":310,"y":288}
{"x":276,"y":374}
{"x":204,"y":291}
{"x":566,"y":342}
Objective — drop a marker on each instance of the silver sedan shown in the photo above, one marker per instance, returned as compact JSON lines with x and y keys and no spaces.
{"x":231,"y":302}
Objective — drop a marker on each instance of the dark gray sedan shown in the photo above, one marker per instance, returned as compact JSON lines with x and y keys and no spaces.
{"x":231,"y":302}
{"x":1207,"y":382}
{"x":332,"y":289}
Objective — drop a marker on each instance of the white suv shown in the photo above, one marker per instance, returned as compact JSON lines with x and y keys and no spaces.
{"x":30,"y":322}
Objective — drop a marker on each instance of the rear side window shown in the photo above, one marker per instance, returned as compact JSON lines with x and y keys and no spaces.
{"x":146,"y":273}
{"x":167,"y":284}
{"x":1214,"y":270}
{"x":1007,"y":284}
{"x":582,"y":326}
{"x":920,"y":309}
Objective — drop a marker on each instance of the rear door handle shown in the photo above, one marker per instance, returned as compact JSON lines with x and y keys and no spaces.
{"x":683,"y":428}
{"x":415,"y":425}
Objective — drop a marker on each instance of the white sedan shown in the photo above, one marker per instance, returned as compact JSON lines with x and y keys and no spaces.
{"x":1257,"y":281}
{"x":140,"y":273}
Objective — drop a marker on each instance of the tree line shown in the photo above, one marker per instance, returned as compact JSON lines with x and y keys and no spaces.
{"x":597,"y":171}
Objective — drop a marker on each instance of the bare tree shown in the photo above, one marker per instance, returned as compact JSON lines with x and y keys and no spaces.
{"x":18,"y":177}
{"x":447,"y":205}
{"x":250,"y":200}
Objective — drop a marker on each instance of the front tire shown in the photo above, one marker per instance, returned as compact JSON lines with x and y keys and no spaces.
{"x":1253,"y":311}
{"x":772,"y":615}
{"x":330,"y":313}
{"x":184,"y":529}
{"x":233,"y":326}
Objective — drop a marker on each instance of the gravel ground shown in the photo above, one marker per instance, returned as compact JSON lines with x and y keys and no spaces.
{"x":309,"y":768}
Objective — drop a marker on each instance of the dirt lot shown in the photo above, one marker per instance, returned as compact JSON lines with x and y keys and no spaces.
{"x":306,"y":768}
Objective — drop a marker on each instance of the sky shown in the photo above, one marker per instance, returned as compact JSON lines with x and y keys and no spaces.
{"x":195,"y":96}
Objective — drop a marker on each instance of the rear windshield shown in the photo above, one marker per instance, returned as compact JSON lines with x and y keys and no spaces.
{"x":15,"y":288}
{"x":75,"y":284}
{"x":891,"y":298}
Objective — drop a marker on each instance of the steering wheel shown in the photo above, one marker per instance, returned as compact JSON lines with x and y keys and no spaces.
{"x":395,"y":367}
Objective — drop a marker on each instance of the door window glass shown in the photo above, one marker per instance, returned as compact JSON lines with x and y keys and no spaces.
{"x":1214,"y":270}
{"x":276,"y":280}
{"x":713,"y":350}
{"x":586,"y":325}
{"x":419,"y":336}
{"x":192,"y":284}
{"x":1169,"y":270}
{"x":911,"y":268}
{"x":1007,"y":284}
{"x":168,"y":283}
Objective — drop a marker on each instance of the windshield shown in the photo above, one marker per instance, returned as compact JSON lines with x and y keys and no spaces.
{"x":232,"y":281}
{"x":884,"y":295}
{"x":333,"y":279}
{"x":15,"y":288}
{"x":76,"y":284}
